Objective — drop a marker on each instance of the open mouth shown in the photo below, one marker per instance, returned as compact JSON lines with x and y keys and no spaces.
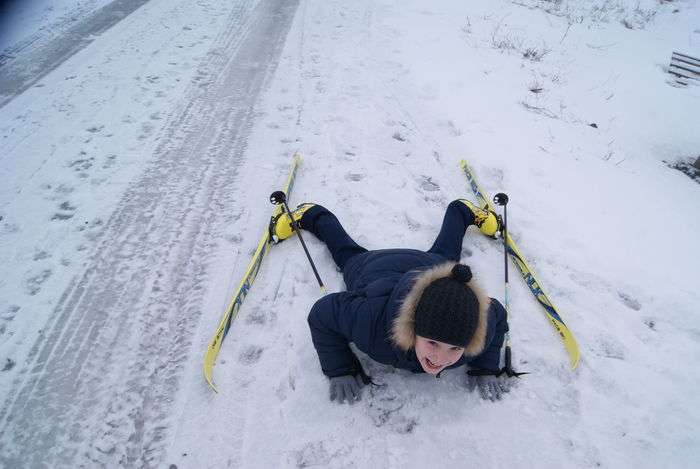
{"x":432,"y":365}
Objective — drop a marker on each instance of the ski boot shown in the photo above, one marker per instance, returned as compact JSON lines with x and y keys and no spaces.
{"x":487,"y":221}
{"x":281,"y":225}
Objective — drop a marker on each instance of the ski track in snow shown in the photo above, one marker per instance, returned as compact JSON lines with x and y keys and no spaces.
{"x":79,"y":402}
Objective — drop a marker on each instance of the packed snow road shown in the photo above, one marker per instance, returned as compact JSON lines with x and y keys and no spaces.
{"x":97,"y":384}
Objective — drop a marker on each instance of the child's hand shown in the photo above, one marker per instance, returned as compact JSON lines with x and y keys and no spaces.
{"x":490,"y":387}
{"x":346,"y":388}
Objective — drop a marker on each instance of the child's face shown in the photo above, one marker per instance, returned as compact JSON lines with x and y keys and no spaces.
{"x":434,"y":355}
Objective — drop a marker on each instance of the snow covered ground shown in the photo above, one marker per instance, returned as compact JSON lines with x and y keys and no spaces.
{"x":24,"y":21}
{"x":136,"y":171}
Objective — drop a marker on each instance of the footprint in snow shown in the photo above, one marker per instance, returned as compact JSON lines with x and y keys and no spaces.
{"x":354,"y":177}
{"x":413,"y":225}
{"x":466,"y":252}
{"x":312,"y":454}
{"x":8,"y":228}
{"x":399,"y":137}
{"x":34,"y":282}
{"x":7,"y":317}
{"x":385,"y":410}
{"x":110,"y":160}
{"x":95,"y":129}
{"x":628,"y":301}
{"x":451,"y":128}
{"x":83,"y":163}
{"x":10,"y":313}
{"x":496,"y":175}
{"x":146,"y":129}
{"x":234,"y":239}
{"x":609,"y":347}
{"x":427,"y":184}
{"x":251,"y":355}
{"x":589,"y":281}
{"x":65,"y":212}
{"x":315,"y":454}
{"x":257,"y":316}
{"x":286,"y":383}
{"x":40,"y":255}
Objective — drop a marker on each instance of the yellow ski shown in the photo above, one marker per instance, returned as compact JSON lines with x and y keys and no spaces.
{"x":535,"y":287}
{"x":247,"y":281}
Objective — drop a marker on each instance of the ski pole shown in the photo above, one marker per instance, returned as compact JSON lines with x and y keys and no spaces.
{"x":502,"y":199}
{"x":279,"y":197}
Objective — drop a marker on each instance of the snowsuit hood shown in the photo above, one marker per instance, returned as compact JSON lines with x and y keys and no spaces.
{"x":403,"y":329}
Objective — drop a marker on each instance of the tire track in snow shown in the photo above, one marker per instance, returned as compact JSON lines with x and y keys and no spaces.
{"x":100,"y":382}
{"x":20,"y":72}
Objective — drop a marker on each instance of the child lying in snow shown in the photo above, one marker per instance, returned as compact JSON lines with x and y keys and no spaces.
{"x":416,"y":310}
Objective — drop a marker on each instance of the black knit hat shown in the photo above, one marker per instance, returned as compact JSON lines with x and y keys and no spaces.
{"x":448,"y":310}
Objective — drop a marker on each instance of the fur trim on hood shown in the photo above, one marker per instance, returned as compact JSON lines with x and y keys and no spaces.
{"x":403,"y":330}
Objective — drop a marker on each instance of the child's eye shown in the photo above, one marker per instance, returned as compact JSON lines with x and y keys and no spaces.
{"x":432,"y":342}
{"x":454,"y":349}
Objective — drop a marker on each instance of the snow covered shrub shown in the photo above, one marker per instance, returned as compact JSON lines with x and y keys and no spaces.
{"x":467,"y":28}
{"x":638,"y":18}
{"x":509,"y":42}
{"x":686,"y":166}
{"x":504,"y":42}
{"x":535,"y":87}
{"x":533,"y":54}
{"x":633,"y":14}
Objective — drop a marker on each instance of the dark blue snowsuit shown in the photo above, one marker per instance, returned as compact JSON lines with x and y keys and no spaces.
{"x":377,"y":284}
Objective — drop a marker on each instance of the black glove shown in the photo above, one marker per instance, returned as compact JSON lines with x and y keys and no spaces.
{"x":346,"y":388}
{"x":490,"y":387}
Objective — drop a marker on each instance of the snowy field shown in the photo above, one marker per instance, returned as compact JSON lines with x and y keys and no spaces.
{"x":136,"y":166}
